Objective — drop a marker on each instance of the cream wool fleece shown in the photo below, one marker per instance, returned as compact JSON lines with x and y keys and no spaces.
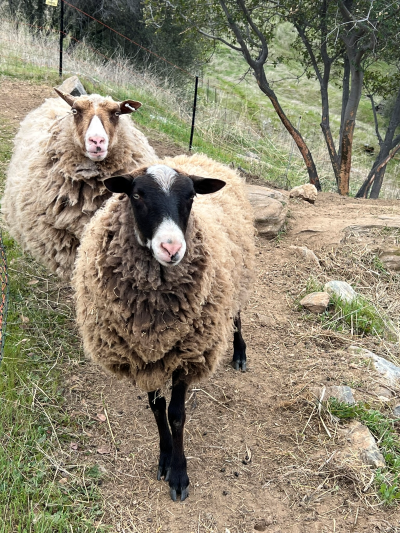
{"x":53,"y":189}
{"x":142,"y":320}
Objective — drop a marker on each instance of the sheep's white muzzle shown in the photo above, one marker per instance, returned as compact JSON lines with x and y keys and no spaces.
{"x":96,"y":140}
{"x":168,"y":244}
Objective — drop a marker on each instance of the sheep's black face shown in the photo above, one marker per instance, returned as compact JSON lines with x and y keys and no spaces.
{"x":162,"y":199}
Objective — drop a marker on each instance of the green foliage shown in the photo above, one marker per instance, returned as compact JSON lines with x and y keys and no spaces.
{"x":34,"y":425}
{"x":384,"y":431}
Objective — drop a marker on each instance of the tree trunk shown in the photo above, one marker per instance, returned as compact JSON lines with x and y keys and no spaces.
{"x":376,"y":174}
{"x":298,"y":139}
{"x":326,"y":130}
{"x":346,"y":147}
{"x":345,"y":99}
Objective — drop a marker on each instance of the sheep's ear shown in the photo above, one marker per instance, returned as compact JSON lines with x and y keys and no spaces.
{"x":67,"y":97}
{"x":206,"y":185}
{"x":119,"y":184}
{"x":129,"y":106}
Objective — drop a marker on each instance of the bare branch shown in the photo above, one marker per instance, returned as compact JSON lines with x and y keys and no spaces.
{"x":380,"y":140}
{"x":238,"y":34}
{"x":219,"y":39}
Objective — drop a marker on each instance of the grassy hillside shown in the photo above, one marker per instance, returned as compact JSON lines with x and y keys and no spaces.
{"x":299,"y":97}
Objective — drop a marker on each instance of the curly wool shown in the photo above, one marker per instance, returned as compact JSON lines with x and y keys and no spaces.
{"x":141,"y":320}
{"x":53,"y":189}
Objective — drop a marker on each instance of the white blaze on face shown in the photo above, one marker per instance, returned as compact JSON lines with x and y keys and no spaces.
{"x":168,"y":243}
{"x":163,"y":175}
{"x":96,"y":140}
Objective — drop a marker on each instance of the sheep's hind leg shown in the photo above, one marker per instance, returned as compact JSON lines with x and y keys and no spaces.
{"x":159,"y":407}
{"x":239,"y":346}
{"x":178,"y":478}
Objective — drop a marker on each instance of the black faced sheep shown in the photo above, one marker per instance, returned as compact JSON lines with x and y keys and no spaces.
{"x":64,"y":151}
{"x":162,"y":273}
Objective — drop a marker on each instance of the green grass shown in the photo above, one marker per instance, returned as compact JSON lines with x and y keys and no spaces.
{"x":382,"y":427}
{"x":358,"y":317}
{"x":35,"y":429}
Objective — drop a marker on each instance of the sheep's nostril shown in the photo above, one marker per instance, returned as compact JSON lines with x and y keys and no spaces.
{"x":171,"y":248}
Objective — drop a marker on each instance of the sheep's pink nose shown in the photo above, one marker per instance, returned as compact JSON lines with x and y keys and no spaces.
{"x":171,"y":248}
{"x":97,"y":140}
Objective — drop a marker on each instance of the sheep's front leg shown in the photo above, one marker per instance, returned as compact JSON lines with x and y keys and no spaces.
{"x":159,"y":407}
{"x":239,"y":346}
{"x":178,"y":478}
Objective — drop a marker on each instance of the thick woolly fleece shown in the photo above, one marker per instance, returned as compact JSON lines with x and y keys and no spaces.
{"x":53,"y":189}
{"x":142,"y":320}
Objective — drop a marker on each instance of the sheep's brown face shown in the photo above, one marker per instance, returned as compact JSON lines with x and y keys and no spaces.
{"x":96,"y":120}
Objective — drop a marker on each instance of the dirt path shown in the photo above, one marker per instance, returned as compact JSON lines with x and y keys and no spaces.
{"x":258,"y":459}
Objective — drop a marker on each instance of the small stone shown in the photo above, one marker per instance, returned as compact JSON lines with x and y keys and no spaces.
{"x":72,"y":86}
{"x":396,"y":411}
{"x":342,"y":393}
{"x":361,"y":440}
{"x":304,"y":253}
{"x":270,"y":210}
{"x":341,"y":289}
{"x":265,"y":320}
{"x":391,"y":258}
{"x":261,"y":525}
{"x":316,"y":302}
{"x":389,"y":371}
{"x":306,"y":192}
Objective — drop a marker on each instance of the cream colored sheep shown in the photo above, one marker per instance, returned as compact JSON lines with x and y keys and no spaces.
{"x":158,"y":284}
{"x":64,"y":151}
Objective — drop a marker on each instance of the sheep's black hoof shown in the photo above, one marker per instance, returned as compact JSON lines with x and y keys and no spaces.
{"x":164,"y":467}
{"x":239,"y":364}
{"x":178,"y":484}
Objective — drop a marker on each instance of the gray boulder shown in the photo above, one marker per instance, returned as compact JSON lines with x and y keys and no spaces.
{"x":270,"y":210}
{"x":72,"y":86}
{"x":341,"y":289}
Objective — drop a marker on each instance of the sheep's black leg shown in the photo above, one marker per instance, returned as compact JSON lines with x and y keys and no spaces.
{"x":178,"y":478}
{"x":239,"y":346}
{"x":159,"y":407}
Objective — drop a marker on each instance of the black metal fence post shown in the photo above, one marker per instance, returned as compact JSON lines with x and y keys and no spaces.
{"x":61,"y":36}
{"x":194,"y":112}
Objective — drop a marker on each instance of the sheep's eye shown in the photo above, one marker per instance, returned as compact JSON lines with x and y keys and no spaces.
{"x":117,"y":113}
{"x":135,"y":196}
{"x":74,"y":111}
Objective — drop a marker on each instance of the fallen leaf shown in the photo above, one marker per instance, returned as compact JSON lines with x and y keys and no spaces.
{"x":101,"y":417}
{"x":33,"y":282}
{"x":73,"y":445}
{"x":24,"y":319}
{"x":104,"y":450}
{"x":63,"y":480}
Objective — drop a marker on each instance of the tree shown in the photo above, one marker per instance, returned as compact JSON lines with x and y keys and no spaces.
{"x":246,"y":28}
{"x":348,"y":34}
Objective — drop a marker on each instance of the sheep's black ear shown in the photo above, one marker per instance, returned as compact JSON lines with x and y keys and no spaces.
{"x":129,"y":106}
{"x":119,"y":184}
{"x":206,"y":185}
{"x":67,"y":97}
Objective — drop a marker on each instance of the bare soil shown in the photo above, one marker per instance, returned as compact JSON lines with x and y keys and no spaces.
{"x":259,"y":457}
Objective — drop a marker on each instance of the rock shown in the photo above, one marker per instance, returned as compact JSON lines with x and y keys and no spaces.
{"x":364,"y":443}
{"x":316,"y":302}
{"x":342,"y":393}
{"x":305,"y":253}
{"x":270,"y":210}
{"x":72,"y":86}
{"x":391,"y":258}
{"x":389,"y":371}
{"x":306,"y":192}
{"x":265,"y":320}
{"x":396,"y":411}
{"x":341,"y":289}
